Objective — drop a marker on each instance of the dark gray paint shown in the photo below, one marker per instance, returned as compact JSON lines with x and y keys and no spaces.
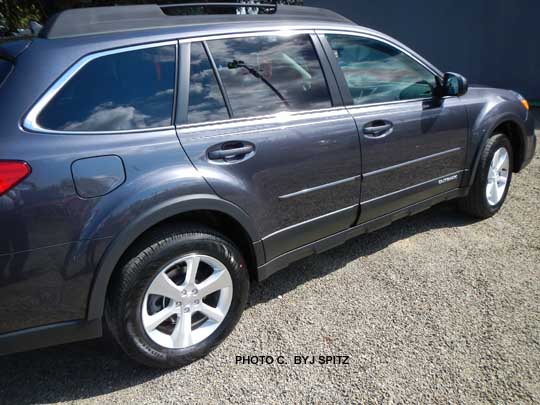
{"x":97,"y":176}
{"x":427,"y":141}
{"x":58,"y":250}
{"x":289,"y":157}
{"x":339,"y":238}
{"x":492,"y":42}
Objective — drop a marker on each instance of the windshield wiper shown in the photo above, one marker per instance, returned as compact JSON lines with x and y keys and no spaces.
{"x":235,"y":64}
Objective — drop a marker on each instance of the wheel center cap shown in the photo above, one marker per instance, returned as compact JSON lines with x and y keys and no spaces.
{"x":188,"y":298}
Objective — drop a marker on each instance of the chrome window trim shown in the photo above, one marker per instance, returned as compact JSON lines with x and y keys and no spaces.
{"x":286,"y":117}
{"x":289,"y":32}
{"x":30,"y":121}
{"x":354,"y":108}
{"x":282,"y":32}
{"x":283,"y":118}
{"x":362,"y":34}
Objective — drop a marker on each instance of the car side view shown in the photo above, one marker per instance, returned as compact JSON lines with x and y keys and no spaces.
{"x":153,"y":164}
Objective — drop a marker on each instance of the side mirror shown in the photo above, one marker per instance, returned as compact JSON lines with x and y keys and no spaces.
{"x":454,"y":84}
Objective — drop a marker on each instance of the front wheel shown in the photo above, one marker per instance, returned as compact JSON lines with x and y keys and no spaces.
{"x":178,"y":295}
{"x":492,"y":180}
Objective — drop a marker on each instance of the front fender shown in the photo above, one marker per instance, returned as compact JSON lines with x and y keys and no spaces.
{"x":486,"y":113}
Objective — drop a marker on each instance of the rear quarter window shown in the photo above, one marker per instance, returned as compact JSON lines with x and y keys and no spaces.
{"x":118,"y":92}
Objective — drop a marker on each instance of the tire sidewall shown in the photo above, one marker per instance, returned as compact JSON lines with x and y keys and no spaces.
{"x":138,"y":343}
{"x":494,"y":143}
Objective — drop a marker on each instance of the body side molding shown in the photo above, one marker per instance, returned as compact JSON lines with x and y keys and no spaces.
{"x":321,"y":187}
{"x":339,"y":238}
{"x":49,"y":335}
{"x":410,"y":162}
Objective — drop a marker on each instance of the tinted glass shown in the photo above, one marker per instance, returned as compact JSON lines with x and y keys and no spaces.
{"x":264,"y":75}
{"x":123,"y":91}
{"x":376,"y":72}
{"x":205,"y":98}
{"x":5,"y":68}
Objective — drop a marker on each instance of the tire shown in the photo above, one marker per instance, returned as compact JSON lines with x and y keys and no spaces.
{"x":167,"y":255}
{"x":477,"y":203}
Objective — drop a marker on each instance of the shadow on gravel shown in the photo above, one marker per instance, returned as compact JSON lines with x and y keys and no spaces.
{"x":536,"y":114}
{"x":442,"y":216}
{"x":69,"y":372}
{"x":93,"y":368}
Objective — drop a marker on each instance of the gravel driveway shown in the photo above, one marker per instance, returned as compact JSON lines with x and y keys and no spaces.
{"x":434,"y":308}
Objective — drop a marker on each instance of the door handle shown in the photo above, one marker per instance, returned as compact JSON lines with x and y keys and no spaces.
{"x":376,"y":129}
{"x":233,"y":151}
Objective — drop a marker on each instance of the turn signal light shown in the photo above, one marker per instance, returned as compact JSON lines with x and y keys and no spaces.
{"x":525,"y":103}
{"x":12,"y":173}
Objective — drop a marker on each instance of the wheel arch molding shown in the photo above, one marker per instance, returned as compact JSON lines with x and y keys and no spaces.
{"x":158,"y":214}
{"x":488,"y":127}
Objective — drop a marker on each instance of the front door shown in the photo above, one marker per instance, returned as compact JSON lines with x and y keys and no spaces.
{"x":263,"y":128}
{"x":413,"y":145}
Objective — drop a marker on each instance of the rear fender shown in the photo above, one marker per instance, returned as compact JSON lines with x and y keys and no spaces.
{"x":142,"y":223}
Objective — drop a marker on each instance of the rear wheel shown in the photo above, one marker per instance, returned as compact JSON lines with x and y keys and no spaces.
{"x":492,"y":181}
{"x":177,"y":296}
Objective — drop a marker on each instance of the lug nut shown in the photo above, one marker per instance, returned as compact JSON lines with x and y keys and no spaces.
{"x":186,"y":309}
{"x":197,"y":301}
{"x":184,"y":292}
{"x":195,"y":291}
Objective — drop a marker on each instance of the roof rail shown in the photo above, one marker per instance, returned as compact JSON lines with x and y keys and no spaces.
{"x":269,"y":7}
{"x":113,"y":19}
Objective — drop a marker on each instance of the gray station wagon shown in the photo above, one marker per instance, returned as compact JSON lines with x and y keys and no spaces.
{"x":154,"y":163}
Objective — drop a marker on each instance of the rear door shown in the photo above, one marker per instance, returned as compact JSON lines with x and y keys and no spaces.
{"x":413,"y":145}
{"x":264,"y":126}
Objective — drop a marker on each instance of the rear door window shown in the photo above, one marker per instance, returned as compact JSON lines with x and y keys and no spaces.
{"x":267,"y":74}
{"x":118,"y":92}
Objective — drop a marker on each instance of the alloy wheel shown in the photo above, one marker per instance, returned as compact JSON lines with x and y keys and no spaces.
{"x":187,"y":301}
{"x":498,"y":176}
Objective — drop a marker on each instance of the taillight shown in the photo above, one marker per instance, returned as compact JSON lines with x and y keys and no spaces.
{"x":12,"y":172}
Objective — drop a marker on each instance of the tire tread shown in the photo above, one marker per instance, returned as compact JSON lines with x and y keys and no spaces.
{"x":127,"y":275}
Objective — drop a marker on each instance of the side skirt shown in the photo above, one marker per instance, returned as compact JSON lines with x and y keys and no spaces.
{"x":280,"y":262}
{"x":49,"y":335}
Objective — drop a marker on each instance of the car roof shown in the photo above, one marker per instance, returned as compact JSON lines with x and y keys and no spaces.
{"x":121,"y":19}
